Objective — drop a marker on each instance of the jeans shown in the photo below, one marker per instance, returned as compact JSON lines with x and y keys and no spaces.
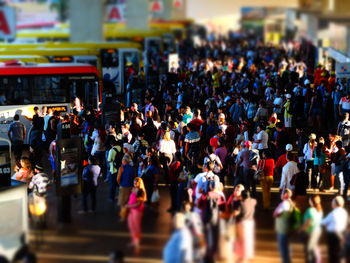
{"x":346,"y":174}
{"x":306,"y":110}
{"x":340,"y":179}
{"x":17,"y":147}
{"x":89,"y":190}
{"x":249,"y":181}
{"x":311,"y":174}
{"x":112,"y":183}
{"x":283,"y":246}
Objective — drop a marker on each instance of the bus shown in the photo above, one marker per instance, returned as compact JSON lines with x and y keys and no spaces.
{"x":55,"y":85}
{"x":24,"y":58}
{"x":112,"y":60}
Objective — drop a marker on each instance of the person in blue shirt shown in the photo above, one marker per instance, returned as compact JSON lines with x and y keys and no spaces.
{"x":237,"y":111}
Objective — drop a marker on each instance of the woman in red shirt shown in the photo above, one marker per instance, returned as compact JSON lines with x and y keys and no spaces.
{"x":267,"y":165}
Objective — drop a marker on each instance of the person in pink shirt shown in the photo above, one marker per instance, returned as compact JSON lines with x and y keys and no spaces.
{"x":135,"y":208}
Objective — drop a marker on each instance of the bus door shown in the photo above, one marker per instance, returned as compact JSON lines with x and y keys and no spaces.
{"x":129,"y":61}
{"x":110,"y":69}
{"x":169,"y":44}
{"x":5,"y":163}
{"x":85,"y":88}
{"x":153,"y":60}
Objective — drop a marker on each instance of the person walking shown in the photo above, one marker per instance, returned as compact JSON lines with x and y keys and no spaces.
{"x":125,"y":178}
{"x":312,"y":228}
{"x":114,"y":160}
{"x":135,"y":208}
{"x":267,"y":166}
{"x":282,"y":215}
{"x":91,"y":173}
{"x":17,"y":135}
{"x":290,"y":169}
{"x":336,"y":223}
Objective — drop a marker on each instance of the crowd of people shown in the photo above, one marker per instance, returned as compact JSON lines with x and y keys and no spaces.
{"x":236,"y":113}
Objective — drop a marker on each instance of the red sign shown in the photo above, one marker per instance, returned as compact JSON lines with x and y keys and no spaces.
{"x":7,"y":22}
{"x":157,"y":6}
{"x":116,"y":13}
{"x":178,"y":4}
{"x":4,"y":27}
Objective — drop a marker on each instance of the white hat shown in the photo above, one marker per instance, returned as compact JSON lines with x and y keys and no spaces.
{"x":288,"y":96}
{"x":289,"y":147}
{"x":306,"y":82}
{"x":221,"y":116}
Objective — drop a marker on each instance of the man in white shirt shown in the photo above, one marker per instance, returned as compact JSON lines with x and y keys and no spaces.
{"x":261,"y":139}
{"x":202,"y":178}
{"x":336,"y":223}
{"x":277,"y":103}
{"x":288,"y":170}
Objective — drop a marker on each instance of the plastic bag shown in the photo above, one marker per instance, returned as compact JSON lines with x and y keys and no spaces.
{"x":155,"y":196}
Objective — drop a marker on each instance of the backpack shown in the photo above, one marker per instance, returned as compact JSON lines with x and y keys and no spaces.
{"x":254,"y":158}
{"x":292,"y":107}
{"x":217,"y":168}
{"x":88,"y":176}
{"x":295,"y":219}
{"x":211,"y":212}
{"x":117,"y":162}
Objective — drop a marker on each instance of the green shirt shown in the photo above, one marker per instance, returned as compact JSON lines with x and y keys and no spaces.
{"x":111,"y":157}
{"x":315,"y":217}
{"x":286,"y":110}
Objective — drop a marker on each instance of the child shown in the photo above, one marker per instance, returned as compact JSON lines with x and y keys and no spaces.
{"x":24,"y":172}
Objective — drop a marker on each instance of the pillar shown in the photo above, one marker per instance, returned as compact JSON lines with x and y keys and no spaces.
{"x":137,"y":14}
{"x":86,"y":20}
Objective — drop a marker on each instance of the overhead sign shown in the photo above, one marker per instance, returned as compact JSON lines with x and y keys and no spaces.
{"x":342,"y":70}
{"x":7,"y":22}
{"x":116,"y":13}
{"x":157,"y":6}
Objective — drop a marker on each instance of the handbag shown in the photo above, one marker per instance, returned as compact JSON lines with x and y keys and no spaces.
{"x":259,"y":174}
{"x":123,"y":212}
{"x":155,"y":196}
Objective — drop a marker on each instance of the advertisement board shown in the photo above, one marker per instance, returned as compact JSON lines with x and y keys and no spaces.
{"x":13,"y":220}
{"x":69,"y":166}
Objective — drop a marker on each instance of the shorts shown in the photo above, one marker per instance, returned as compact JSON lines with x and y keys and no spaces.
{"x":287,"y":122}
{"x":123,"y":197}
{"x":333,"y":169}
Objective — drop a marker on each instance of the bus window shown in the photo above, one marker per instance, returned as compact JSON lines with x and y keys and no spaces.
{"x":85,"y":89}
{"x":42,"y":89}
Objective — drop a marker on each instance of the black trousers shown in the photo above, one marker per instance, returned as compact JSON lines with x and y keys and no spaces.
{"x":335,"y":247}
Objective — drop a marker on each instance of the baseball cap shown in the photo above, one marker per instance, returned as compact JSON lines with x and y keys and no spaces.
{"x":248,"y":143}
{"x":288,"y":96}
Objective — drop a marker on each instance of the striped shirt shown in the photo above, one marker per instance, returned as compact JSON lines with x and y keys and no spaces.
{"x":39,"y":183}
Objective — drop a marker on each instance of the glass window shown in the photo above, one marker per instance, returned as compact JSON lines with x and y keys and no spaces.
{"x":44,"y":89}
